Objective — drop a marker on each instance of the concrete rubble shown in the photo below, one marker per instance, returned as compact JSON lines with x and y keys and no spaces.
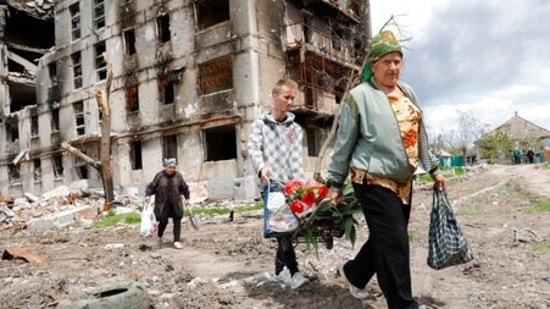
{"x":38,"y":8}
{"x":77,"y":203}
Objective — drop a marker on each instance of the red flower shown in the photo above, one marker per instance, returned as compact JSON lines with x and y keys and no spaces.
{"x":292,"y":186}
{"x":297,"y":206}
{"x":309,"y":198}
{"x":322,"y":191}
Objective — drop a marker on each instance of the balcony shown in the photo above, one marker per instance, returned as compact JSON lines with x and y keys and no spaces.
{"x":217,"y":104}
{"x":327,"y":45}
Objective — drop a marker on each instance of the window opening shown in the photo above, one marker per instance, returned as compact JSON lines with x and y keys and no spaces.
{"x":163,"y":28}
{"x":77,"y":69}
{"x":170,"y":146}
{"x":79,"y":118}
{"x":135,"y":155}
{"x":58,"y":169}
{"x":14,"y":173}
{"x":37,"y":169}
{"x":210,"y":13}
{"x":99,"y":14}
{"x":130,"y":42}
{"x":100,"y":63}
{"x":223,"y":135}
{"x":34,"y":126}
{"x":132,"y":98}
{"x":55,"y":119}
{"x":74,"y":10}
{"x":216,"y":75}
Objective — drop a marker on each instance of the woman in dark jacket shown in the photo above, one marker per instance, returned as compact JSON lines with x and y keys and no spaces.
{"x":167,"y":186}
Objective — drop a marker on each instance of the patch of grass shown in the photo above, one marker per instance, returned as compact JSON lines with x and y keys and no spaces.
{"x":542,"y":206}
{"x":113,"y":220}
{"x":218,"y":211}
{"x":541,"y":247}
{"x":134,"y":218}
{"x":447,"y":172}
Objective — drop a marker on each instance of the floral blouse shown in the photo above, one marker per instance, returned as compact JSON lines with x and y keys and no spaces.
{"x":408,"y":116}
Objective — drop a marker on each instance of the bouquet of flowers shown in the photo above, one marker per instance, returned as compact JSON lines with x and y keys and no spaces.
{"x":303,"y":209}
{"x":287,"y":203}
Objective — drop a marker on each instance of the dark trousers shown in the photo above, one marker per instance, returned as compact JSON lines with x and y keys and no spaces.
{"x":386,"y":252}
{"x":286,"y":256}
{"x":163,"y":222}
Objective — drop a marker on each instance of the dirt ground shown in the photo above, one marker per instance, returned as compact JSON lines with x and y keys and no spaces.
{"x":229,"y":264}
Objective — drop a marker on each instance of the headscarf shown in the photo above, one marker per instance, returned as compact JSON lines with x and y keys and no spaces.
{"x":169,"y":162}
{"x":382,"y":44}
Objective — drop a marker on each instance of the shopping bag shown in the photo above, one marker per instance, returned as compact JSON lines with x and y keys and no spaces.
{"x":278,"y":219}
{"x":447,"y":243}
{"x":149,"y":222}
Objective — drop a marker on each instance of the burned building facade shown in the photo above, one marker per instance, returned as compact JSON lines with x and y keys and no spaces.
{"x":189,"y":79}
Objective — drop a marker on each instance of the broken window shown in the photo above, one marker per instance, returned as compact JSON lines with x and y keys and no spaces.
{"x":313,"y":136}
{"x":163,"y":28}
{"x":100,"y":63}
{"x":34,"y":126}
{"x":132,"y":99}
{"x":135,"y":155}
{"x":167,"y":89}
{"x":37,"y":169}
{"x":210,"y":13}
{"x":99,"y":14}
{"x":14,"y":173}
{"x":81,"y":168}
{"x":215,"y":75}
{"x":12,"y":131}
{"x":78,"y":108}
{"x":52,"y":71}
{"x":77,"y":69}
{"x":130,"y":42}
{"x":170,"y":146}
{"x":74,"y":10}
{"x":54,"y":112}
{"x":223,"y":135}
{"x":58,"y":169}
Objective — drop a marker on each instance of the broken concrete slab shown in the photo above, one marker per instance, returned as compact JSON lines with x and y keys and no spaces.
{"x":61,"y":219}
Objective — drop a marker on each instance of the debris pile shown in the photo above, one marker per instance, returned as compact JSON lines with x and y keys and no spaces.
{"x":42,"y":9}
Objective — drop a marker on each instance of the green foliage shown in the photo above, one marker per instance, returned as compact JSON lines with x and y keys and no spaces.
{"x":493,"y":145}
{"x":339,"y":217}
{"x":219,"y":211}
{"x":112,"y":220}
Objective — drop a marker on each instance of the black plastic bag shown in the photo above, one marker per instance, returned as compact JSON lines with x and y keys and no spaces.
{"x":447,"y":243}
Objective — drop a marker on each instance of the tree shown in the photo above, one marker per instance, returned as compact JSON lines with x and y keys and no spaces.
{"x":493,"y":146}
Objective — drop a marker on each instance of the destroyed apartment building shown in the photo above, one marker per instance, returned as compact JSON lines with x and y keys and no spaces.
{"x":190,"y":77}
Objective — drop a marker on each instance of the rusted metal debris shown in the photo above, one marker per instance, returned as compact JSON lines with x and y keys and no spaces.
{"x":23,"y":254}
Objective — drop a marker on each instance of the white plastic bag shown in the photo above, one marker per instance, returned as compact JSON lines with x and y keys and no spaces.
{"x":149,"y":223}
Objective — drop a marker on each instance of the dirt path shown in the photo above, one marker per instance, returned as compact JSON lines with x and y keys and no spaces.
{"x":229,"y":265}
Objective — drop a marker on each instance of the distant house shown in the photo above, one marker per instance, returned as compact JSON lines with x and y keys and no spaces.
{"x":523,"y":132}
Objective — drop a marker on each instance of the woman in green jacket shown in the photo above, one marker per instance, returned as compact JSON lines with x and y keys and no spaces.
{"x":381,"y":142}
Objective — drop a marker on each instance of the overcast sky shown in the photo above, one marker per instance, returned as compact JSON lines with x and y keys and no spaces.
{"x":490,"y":58}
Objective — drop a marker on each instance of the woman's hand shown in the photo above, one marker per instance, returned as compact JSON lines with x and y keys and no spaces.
{"x":439,"y":181}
